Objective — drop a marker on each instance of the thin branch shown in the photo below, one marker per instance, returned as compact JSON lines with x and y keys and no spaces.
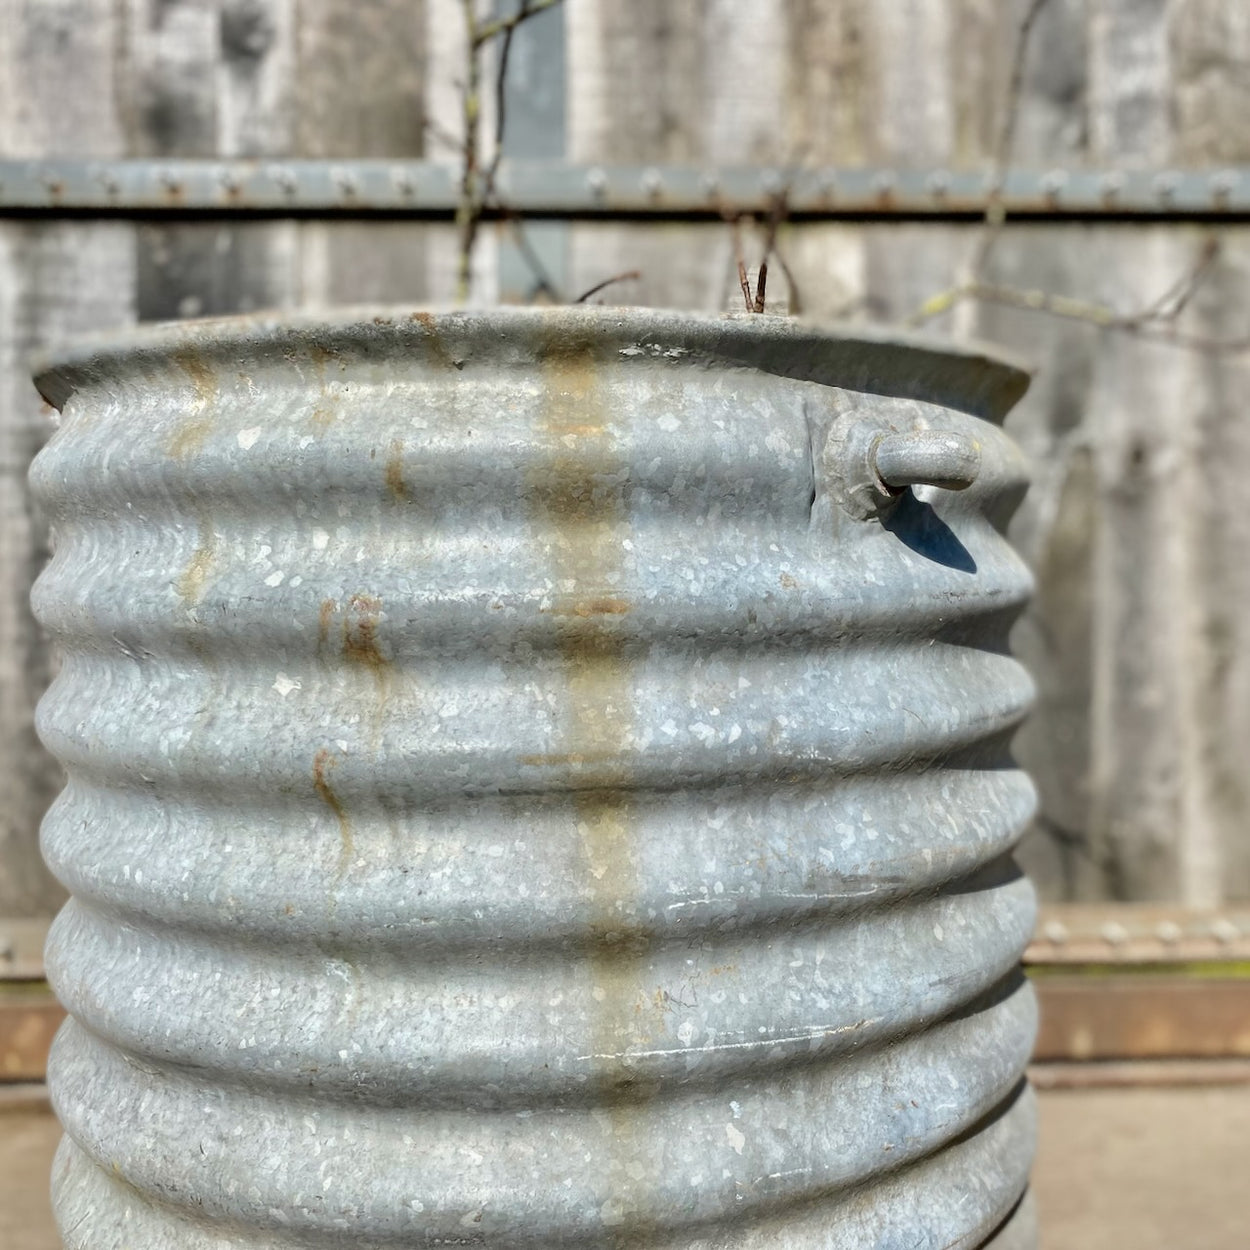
{"x":1174,"y":300}
{"x":1143,"y":326}
{"x":995,"y":214}
{"x":506,"y":25}
{"x":542,"y":279}
{"x":630,"y":275}
{"x":477,"y":186}
{"x":761,"y":282}
{"x":469,"y":204}
{"x":796,"y":304}
{"x":501,"y":94}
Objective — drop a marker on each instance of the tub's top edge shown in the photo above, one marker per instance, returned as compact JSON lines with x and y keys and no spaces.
{"x":967,"y":376}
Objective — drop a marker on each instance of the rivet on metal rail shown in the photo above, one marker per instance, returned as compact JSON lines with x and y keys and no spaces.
{"x":1053,"y":184}
{"x":1222,"y":184}
{"x":1165,"y":185}
{"x":1112,"y":184}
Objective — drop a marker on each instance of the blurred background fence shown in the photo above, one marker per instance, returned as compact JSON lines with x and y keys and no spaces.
{"x":878,"y":122}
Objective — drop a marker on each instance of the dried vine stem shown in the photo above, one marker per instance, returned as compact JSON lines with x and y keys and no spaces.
{"x":779,"y":209}
{"x":630,"y":275}
{"x":1156,"y":321}
{"x":477,"y":184}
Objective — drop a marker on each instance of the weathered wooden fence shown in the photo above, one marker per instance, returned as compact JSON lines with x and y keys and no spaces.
{"x":1137,"y":525}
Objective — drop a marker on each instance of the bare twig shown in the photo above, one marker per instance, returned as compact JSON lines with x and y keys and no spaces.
{"x":796,"y":304}
{"x":1156,"y":322}
{"x":506,"y":25}
{"x":995,"y":213}
{"x":995,"y":216}
{"x":542,"y":279}
{"x":629,"y":275}
{"x":1174,"y":300}
{"x":761,"y":282}
{"x":470,"y":204}
{"x":477,"y":185}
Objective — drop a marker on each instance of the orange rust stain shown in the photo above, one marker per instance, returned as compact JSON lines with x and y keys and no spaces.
{"x":324,"y":618}
{"x":189,"y":438}
{"x":568,"y":757}
{"x":324,"y":763}
{"x":437,"y":347}
{"x":194,"y":577}
{"x":575,"y":430}
{"x":321,"y":356}
{"x":323,"y":415}
{"x":788,"y":582}
{"x":583,"y":608}
{"x":395,"y":471}
{"x":360,"y":631}
{"x":190,"y":435}
{"x":200,"y":372}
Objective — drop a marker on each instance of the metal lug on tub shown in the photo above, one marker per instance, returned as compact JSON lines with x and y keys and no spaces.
{"x":872,"y":465}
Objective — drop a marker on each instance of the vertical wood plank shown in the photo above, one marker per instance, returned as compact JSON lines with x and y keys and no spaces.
{"x":56,"y":279}
{"x":446,"y":40}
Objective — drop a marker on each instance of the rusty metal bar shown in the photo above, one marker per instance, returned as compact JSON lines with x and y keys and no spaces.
{"x":1134,"y":1073}
{"x":363,"y":188}
{"x":29,"y":1016}
{"x":1130,"y":933}
{"x":1142,"y":1017}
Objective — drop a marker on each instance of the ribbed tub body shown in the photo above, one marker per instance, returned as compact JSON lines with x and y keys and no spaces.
{"x":512,"y":804}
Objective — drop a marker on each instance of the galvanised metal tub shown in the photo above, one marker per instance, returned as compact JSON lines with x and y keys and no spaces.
{"x":536,"y":779}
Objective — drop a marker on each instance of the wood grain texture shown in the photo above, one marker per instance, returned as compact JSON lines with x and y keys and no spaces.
{"x":55,"y":280}
{"x":1139,"y":635}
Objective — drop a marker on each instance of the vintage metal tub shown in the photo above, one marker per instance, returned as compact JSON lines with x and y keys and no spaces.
{"x":536,"y":778}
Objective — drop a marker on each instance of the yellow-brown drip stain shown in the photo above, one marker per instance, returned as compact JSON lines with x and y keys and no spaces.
{"x":360,"y":632}
{"x":438,"y":349}
{"x":395,"y":484}
{"x":604,"y":606}
{"x":324,"y":763}
{"x":325,"y":619}
{"x":326,"y":410}
{"x":324,"y":414}
{"x":581,"y":513}
{"x":191,"y":434}
{"x":193,"y":579}
{"x":349,"y":633}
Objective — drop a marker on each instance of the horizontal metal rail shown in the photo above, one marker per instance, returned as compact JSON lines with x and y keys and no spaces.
{"x":362,"y":188}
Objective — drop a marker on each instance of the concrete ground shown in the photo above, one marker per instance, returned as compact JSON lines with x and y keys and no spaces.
{"x":1150,"y":1169}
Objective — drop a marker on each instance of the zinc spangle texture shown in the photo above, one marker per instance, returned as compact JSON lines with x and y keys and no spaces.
{"x":511,"y":802}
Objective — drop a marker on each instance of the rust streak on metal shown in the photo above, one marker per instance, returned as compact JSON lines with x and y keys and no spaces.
{"x":395,"y":483}
{"x":604,"y":606}
{"x":193,"y":579}
{"x":438,"y":348}
{"x":189,"y":438}
{"x":324,"y":762}
{"x":325,"y":617}
{"x":582,"y":509}
{"x":360,"y":631}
